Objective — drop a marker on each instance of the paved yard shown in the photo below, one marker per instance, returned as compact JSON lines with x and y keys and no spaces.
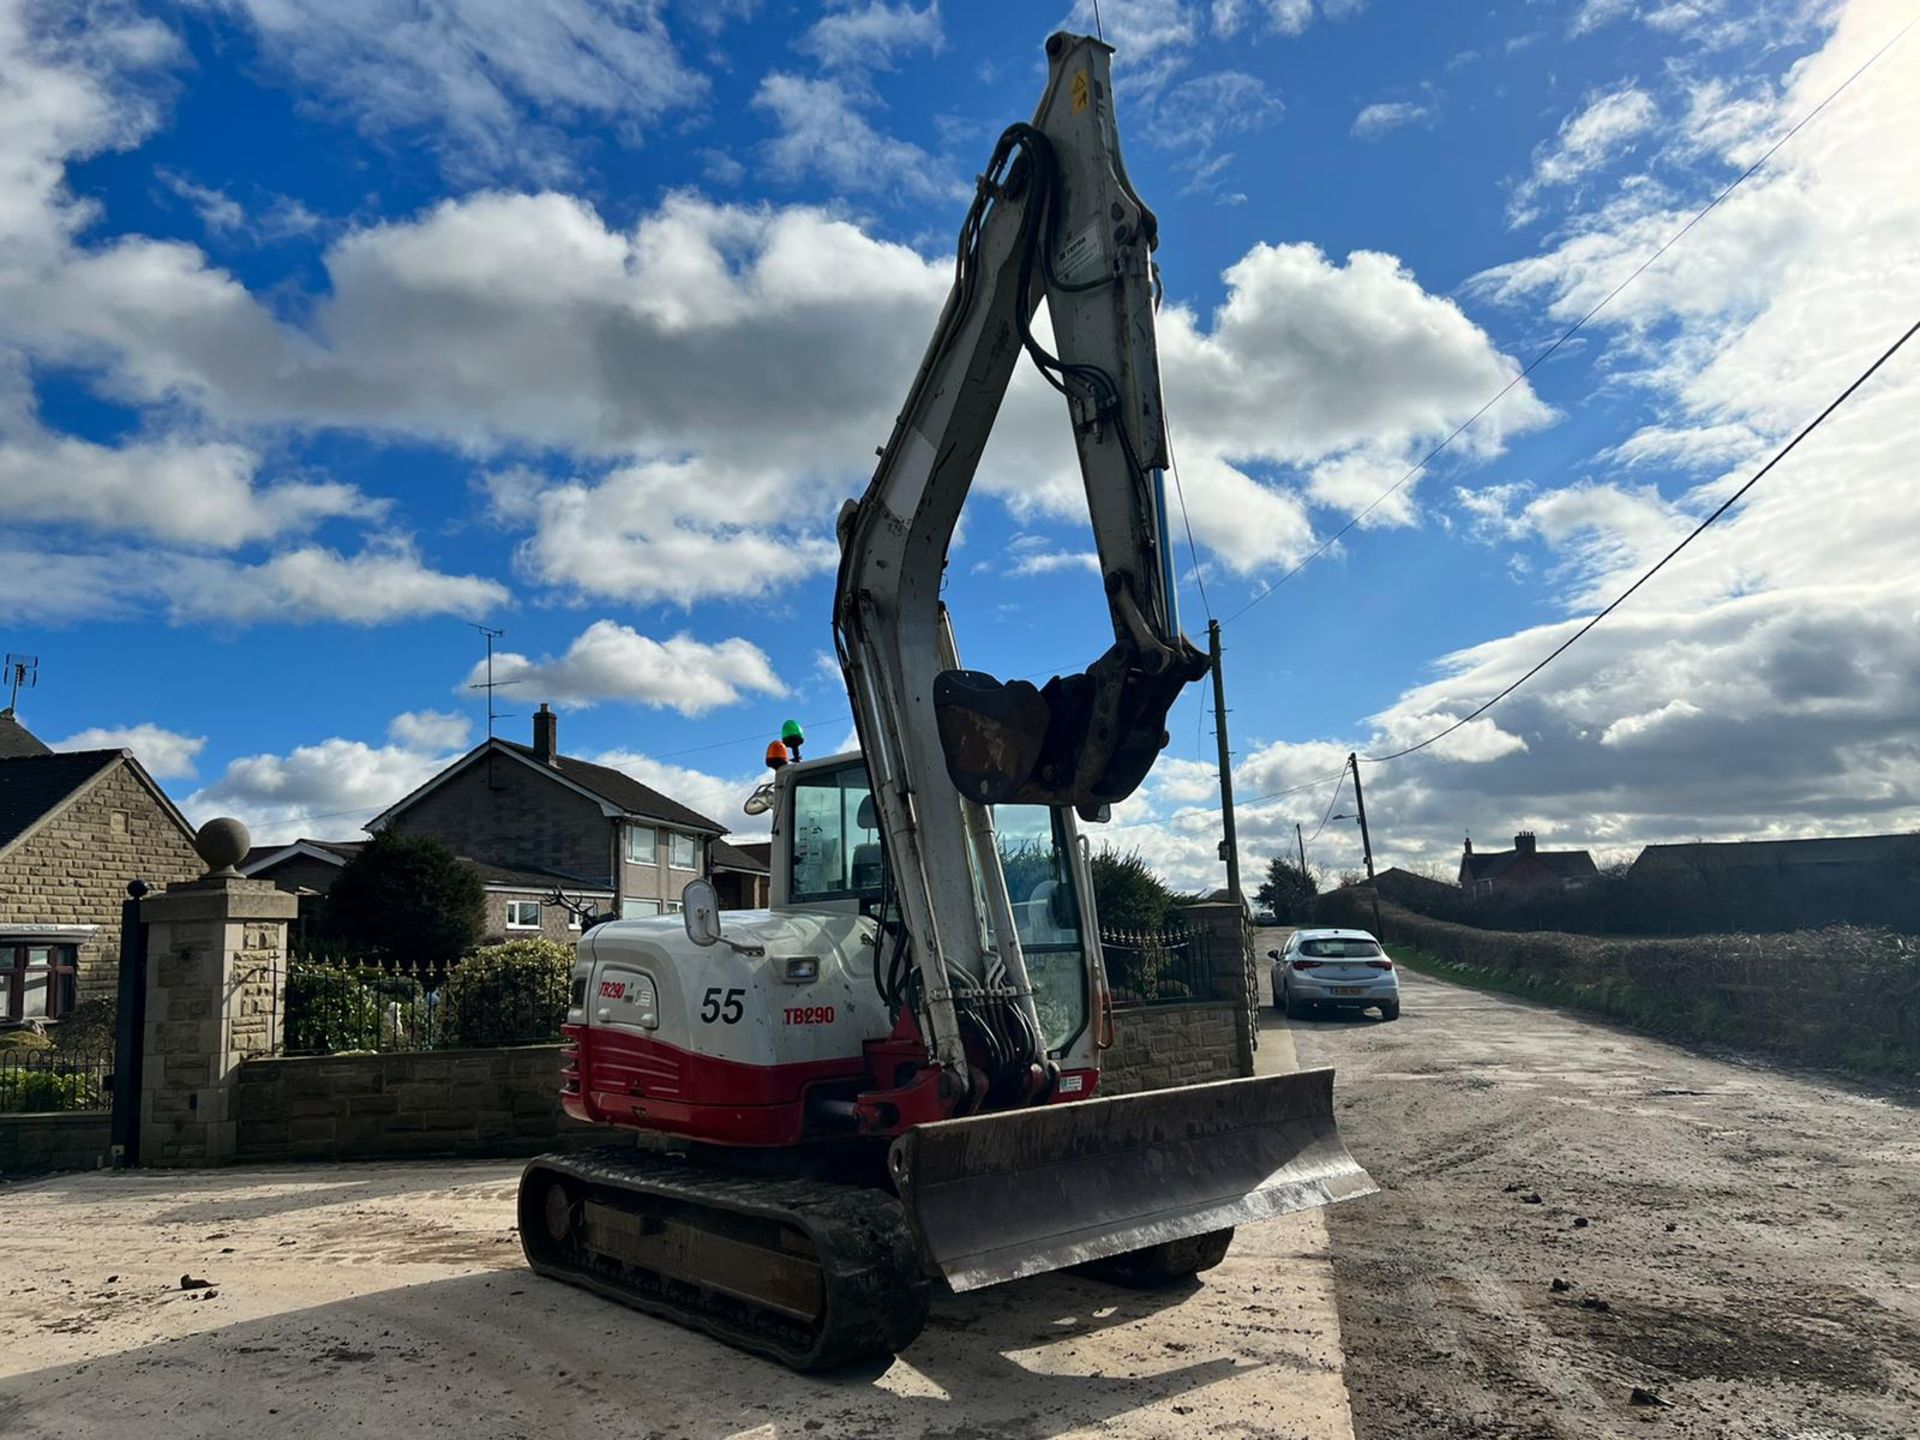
{"x":389,"y":1299}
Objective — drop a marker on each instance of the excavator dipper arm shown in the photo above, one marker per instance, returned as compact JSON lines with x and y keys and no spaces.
{"x":1054,"y":217}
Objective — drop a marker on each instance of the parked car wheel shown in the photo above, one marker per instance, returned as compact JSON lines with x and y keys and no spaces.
{"x":1390,"y":1010}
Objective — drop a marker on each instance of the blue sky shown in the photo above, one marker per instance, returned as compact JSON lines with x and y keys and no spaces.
{"x":328,"y":329}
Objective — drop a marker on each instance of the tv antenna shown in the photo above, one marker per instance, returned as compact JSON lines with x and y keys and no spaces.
{"x":23,"y":673}
{"x":490,"y":684}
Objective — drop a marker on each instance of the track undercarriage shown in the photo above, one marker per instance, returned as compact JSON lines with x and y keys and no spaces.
{"x":814,"y":1274}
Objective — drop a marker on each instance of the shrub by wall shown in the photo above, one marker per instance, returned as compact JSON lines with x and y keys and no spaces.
{"x":508,"y":994}
{"x":1840,"y":996}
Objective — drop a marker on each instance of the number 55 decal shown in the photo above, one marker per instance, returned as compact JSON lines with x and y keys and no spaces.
{"x":728,"y":1009}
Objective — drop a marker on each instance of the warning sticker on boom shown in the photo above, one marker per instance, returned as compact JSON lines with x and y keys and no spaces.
{"x":1082,"y":258}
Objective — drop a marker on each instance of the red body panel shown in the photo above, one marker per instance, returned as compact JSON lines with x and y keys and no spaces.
{"x":615,"y":1078}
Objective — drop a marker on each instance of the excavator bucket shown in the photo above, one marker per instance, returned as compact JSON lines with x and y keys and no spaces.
{"x":995,"y":1197}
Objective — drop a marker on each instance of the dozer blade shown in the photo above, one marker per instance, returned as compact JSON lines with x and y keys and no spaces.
{"x":995,"y":1197}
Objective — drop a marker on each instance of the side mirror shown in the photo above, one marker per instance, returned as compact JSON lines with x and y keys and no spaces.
{"x":700,"y":908}
{"x":1273,"y":954}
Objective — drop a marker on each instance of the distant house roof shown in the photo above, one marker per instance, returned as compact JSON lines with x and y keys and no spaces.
{"x":617,"y":792}
{"x":1565,"y":864}
{"x":16,"y":740}
{"x":1848,"y":850}
{"x":36,"y":786}
{"x":328,"y":852}
{"x":723,"y":855}
{"x":759,"y":851}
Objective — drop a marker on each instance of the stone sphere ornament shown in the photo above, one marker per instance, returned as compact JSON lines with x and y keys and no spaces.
{"x":222,"y":843}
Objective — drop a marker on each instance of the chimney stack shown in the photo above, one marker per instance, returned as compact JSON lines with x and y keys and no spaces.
{"x":1469,"y":844}
{"x":546,"y":735}
{"x":1523,"y":842}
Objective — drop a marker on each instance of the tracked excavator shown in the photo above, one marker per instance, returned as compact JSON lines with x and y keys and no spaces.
{"x":888,"y":1081}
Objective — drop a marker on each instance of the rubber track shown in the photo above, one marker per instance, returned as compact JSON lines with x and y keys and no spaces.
{"x":876,"y":1293}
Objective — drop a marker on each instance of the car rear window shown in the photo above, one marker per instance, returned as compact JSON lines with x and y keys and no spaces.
{"x":1340,"y":949}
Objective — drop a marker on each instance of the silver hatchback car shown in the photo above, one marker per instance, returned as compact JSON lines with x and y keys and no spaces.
{"x":1338,"y":969}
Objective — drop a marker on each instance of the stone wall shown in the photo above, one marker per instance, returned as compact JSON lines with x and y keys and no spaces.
{"x":446,"y":1102}
{"x":74,"y":870}
{"x":1157,"y":1046}
{"x":35,"y":1144}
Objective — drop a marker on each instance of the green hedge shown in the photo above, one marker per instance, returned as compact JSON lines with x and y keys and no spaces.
{"x":511,"y":994}
{"x":1840,"y":996}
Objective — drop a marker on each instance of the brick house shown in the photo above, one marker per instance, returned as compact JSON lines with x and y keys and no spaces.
{"x":542,"y":826}
{"x":75,"y":827}
{"x":1525,"y":867}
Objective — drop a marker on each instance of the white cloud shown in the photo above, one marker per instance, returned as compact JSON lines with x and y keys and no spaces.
{"x":218,"y":211}
{"x":676,"y":532}
{"x":167,"y":754}
{"x":1378,"y":119}
{"x":494,"y":85}
{"x":1603,"y":129}
{"x":1049,"y":562}
{"x":1196,"y":114}
{"x":822,"y":132}
{"x":1593,"y":14}
{"x":379,"y":584}
{"x":173,"y":490}
{"x":610,"y":661}
{"x":873,"y":35}
{"x":325,"y":791}
{"x":437,"y":730}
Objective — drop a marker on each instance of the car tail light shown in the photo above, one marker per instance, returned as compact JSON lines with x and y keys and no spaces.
{"x":1380,"y":964}
{"x":1306,"y":964}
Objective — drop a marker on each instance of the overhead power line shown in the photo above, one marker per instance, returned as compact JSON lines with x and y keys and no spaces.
{"x":1574,"y":328}
{"x":1332,"y":800}
{"x":1618,"y":600}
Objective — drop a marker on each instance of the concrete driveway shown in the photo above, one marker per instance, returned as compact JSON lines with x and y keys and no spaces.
{"x":389,"y":1299}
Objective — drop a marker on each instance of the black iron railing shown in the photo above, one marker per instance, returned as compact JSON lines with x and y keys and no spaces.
{"x":514,"y":994}
{"x":39,"y":1081}
{"x":1158,"y":967}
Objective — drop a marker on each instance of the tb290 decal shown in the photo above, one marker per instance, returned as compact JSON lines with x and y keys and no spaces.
{"x":809,"y":1014}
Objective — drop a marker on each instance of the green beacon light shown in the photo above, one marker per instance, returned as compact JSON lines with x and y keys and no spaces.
{"x":793,"y":737}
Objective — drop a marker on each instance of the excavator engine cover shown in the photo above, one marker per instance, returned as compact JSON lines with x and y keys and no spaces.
{"x":1084,"y":740}
{"x":994,"y":1197}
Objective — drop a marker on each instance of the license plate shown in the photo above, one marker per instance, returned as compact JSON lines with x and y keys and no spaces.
{"x":1349,"y":989}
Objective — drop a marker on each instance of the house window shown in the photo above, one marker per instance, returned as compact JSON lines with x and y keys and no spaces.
{"x":681,"y":852}
{"x":37,"y":980}
{"x":523,"y":914}
{"x":673,"y":907}
{"x":642,"y":845}
{"x":638,"y":909}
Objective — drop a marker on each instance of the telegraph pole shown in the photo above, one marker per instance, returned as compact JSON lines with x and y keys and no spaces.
{"x":1303,"y":849}
{"x":1360,"y":813}
{"x":1366,"y":840}
{"x":1229,"y":843}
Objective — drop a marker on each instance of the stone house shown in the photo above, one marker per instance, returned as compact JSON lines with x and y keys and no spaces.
{"x":1525,"y":867}
{"x":75,"y":827}
{"x":543,"y":827}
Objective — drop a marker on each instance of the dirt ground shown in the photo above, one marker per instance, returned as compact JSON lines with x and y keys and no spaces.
{"x":1742,"y":1243}
{"x":390,"y":1300}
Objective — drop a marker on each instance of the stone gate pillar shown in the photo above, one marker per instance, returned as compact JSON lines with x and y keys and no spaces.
{"x":216,"y":981}
{"x":1229,"y":940}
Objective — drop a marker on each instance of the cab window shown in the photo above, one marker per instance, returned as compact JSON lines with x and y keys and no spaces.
{"x":836,"y":838}
{"x":1046,"y":916}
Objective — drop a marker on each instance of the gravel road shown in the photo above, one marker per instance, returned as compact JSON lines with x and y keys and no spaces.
{"x":1571,"y":1211}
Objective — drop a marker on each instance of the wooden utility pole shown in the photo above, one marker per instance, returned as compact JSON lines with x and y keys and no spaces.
{"x":1366,"y":840}
{"x":1360,"y":812}
{"x":1229,"y":842}
{"x":1298,"y":840}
